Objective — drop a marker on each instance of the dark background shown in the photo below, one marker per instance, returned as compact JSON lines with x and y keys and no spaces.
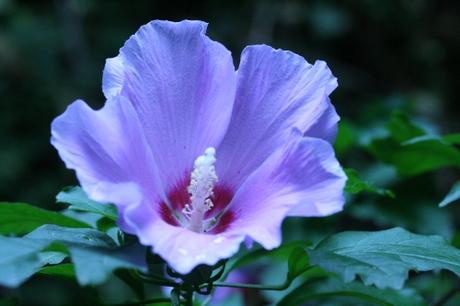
{"x":385,"y":54}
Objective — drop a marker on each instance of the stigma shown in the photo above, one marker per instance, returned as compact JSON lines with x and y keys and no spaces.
{"x":202,"y":182}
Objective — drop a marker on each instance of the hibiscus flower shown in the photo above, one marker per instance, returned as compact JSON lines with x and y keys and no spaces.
{"x":199,"y":157}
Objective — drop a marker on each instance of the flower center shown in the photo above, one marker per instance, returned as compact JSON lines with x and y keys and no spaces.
{"x":202,"y":183}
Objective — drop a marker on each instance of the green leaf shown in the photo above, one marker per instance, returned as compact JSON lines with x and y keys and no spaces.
{"x":452,"y":196}
{"x":402,"y":129}
{"x":104,"y":224}
{"x":9,"y":301}
{"x":19,"y":260}
{"x":66,"y":270}
{"x":414,"y":158}
{"x":452,"y":139}
{"x":297,"y":263}
{"x":51,"y":257}
{"x":78,"y":200}
{"x":346,"y":138}
{"x":134,"y":282}
{"x":295,"y":255}
{"x":412,"y":151}
{"x":356,"y":185}
{"x":330,"y":288}
{"x":94,"y":255}
{"x":384,"y":258}
{"x":70,"y":236}
{"x":21,"y":218}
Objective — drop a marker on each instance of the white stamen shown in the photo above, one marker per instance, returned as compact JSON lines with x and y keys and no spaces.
{"x":202,"y":182}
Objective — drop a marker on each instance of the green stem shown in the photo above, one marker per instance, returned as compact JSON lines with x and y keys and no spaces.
{"x":188,"y":296}
{"x":157,"y":280}
{"x":144,"y":302}
{"x":279,"y":287}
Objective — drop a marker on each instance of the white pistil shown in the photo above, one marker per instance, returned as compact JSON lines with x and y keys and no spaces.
{"x":200,"y":189}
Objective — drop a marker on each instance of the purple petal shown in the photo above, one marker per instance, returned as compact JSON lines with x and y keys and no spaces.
{"x":113,"y":77}
{"x":182,"y":86}
{"x":301,"y":179}
{"x":106,"y":146}
{"x":180,"y":247}
{"x":326,"y":125}
{"x":277,"y":90}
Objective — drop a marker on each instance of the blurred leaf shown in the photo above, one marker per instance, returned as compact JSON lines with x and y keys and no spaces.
{"x":21,"y":218}
{"x":9,"y":301}
{"x":136,"y":285}
{"x":452,"y":139}
{"x":415,"y":158}
{"x":422,"y":218}
{"x":401,"y":129}
{"x":309,"y":291}
{"x":346,"y":138}
{"x":78,"y":200}
{"x":452,"y":196}
{"x":356,"y":185}
{"x":65,"y":270}
{"x":384,"y":258}
{"x":421,"y":139}
{"x":411,"y":150}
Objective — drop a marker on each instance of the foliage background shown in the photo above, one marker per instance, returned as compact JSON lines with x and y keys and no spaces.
{"x":386,"y":55}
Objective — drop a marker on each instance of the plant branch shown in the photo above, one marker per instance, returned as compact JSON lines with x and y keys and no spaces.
{"x":156,"y":279}
{"x":144,"y":302}
{"x":279,"y":287}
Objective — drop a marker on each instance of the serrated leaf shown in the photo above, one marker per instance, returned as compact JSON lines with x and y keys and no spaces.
{"x":21,"y":218}
{"x":384,"y":258}
{"x":78,"y":200}
{"x":452,"y":196}
{"x":331,"y":288}
{"x":356,"y":185}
